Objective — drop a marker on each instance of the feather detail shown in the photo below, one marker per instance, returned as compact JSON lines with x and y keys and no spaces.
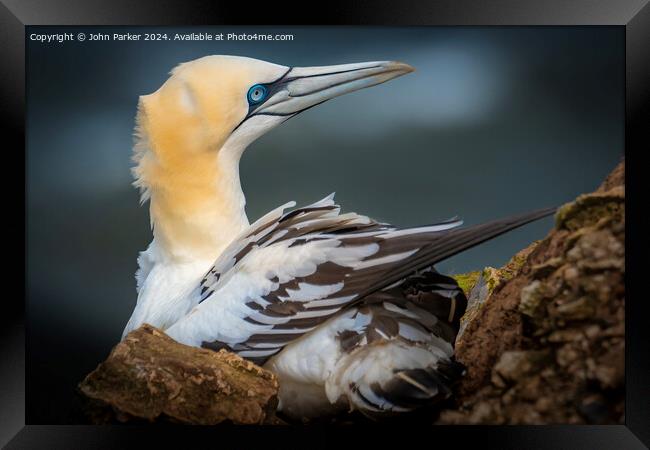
{"x":291,"y":271}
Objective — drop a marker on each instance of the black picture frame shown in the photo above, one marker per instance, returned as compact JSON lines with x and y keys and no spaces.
{"x":634,"y":15}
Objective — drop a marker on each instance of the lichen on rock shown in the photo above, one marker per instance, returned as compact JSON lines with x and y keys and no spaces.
{"x":588,"y":209}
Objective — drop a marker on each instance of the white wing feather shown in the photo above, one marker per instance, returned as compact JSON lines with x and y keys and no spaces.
{"x":288,"y":273}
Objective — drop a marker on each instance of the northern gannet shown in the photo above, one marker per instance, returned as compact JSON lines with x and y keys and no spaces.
{"x":318,"y":297}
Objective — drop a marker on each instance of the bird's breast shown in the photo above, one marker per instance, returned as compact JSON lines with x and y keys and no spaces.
{"x":167,"y":294}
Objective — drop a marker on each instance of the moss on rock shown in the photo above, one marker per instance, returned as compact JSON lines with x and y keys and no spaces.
{"x":467,"y":281}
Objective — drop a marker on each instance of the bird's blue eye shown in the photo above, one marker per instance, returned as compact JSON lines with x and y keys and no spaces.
{"x":257,"y":94}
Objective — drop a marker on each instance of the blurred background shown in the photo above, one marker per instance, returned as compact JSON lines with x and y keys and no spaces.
{"x":495,"y":121}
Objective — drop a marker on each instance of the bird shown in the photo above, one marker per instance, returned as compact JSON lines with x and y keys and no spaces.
{"x":348,"y":312}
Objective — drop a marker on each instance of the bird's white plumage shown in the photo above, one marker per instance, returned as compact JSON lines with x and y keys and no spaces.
{"x":264,"y":267}
{"x":280,"y":287}
{"x":317,"y":296}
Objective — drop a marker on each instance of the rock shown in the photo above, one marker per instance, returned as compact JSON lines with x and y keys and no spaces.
{"x":546,"y":344}
{"x":588,"y":209}
{"x":513,"y":365}
{"x":148,"y":376}
{"x":476,"y":286}
{"x":579,"y":309}
{"x":531,"y":299}
{"x":479,"y":286}
{"x":498,"y":317}
{"x":546,"y":268}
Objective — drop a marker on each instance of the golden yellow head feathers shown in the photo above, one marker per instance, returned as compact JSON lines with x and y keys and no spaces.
{"x":182,"y":126}
{"x":191,"y":132}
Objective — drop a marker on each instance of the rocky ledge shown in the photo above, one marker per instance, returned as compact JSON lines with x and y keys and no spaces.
{"x":150,"y":377}
{"x":544,"y":337}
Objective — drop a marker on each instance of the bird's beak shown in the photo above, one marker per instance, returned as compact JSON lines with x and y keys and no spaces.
{"x":303,"y":87}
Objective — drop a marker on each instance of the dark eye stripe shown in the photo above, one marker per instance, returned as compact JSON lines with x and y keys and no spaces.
{"x":271,"y":88}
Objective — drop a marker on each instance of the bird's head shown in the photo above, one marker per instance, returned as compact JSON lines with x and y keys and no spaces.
{"x":194,"y":129}
{"x":220,"y":102}
{"x":237,"y":98}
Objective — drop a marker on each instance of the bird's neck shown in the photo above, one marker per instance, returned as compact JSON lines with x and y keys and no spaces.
{"x":197,"y":206}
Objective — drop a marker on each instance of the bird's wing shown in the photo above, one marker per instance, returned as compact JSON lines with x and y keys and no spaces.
{"x":289,"y":272}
